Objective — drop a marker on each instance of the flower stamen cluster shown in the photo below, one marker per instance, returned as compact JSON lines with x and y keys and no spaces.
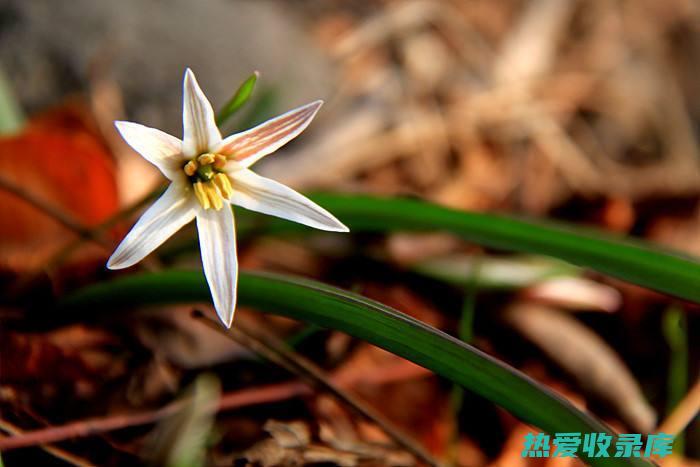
{"x":210,"y":183}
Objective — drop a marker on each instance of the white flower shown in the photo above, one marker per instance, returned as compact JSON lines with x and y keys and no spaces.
{"x":206,"y":174}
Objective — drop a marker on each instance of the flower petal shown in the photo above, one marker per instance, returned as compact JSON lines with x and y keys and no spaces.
{"x":217,"y":243}
{"x":200,"y":132}
{"x":167,"y":215}
{"x":157,"y":147}
{"x":252,"y":145}
{"x":261,"y":194}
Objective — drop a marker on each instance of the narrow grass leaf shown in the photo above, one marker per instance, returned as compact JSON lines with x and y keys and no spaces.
{"x":332,"y":308}
{"x":625,"y":258}
{"x":11,"y":117}
{"x":238,"y":99}
{"x":675,"y":332}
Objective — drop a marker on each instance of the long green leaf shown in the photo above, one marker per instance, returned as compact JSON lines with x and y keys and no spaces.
{"x":241,"y":96}
{"x":674,"y":326}
{"x":11,"y":117}
{"x":625,"y":258}
{"x":371,"y":321}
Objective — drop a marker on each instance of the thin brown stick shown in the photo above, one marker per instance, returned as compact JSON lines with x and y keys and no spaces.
{"x":54,"y":451}
{"x":683,"y":414}
{"x":61,"y":217}
{"x":232,"y":400}
{"x":85,"y":428}
{"x":97,"y":231}
{"x":273,"y":349}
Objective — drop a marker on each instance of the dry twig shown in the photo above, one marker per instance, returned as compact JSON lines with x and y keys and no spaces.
{"x":231,"y":400}
{"x":55,"y":213}
{"x":684,"y":412}
{"x":54,"y":451}
{"x":277,"y":352}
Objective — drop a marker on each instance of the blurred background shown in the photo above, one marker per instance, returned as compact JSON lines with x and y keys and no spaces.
{"x":582,"y":111}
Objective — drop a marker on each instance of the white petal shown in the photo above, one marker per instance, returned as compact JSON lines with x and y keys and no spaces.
{"x":200,"y":133}
{"x":217,"y":242}
{"x":252,"y":145}
{"x":167,"y":215}
{"x":157,"y":147}
{"x":270,"y":197}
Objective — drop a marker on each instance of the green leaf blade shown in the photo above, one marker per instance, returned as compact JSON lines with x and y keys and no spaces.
{"x":239,"y":98}
{"x":624,"y":258}
{"x":366,"y":319}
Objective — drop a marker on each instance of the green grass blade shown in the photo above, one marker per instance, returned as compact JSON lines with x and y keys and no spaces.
{"x":465,"y":332}
{"x":625,"y":258}
{"x":676,"y":333}
{"x":494,"y":272}
{"x":11,"y":117}
{"x":238,"y":99}
{"x":371,"y":321}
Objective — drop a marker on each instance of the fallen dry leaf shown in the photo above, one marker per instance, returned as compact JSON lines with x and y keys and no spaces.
{"x":292,"y":443}
{"x":587,"y":357}
{"x":75,"y":357}
{"x":59,"y":160}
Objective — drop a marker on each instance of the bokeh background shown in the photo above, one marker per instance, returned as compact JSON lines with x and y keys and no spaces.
{"x":582,"y":111}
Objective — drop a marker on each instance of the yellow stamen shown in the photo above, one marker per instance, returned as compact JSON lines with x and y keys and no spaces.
{"x":223,"y":183}
{"x":191,"y":168}
{"x":214,"y":196}
{"x":211,"y":188}
{"x":219,"y":161}
{"x":206,"y":159}
{"x":208,"y":195}
{"x":201,"y":195}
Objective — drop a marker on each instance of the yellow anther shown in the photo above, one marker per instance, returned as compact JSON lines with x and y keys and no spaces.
{"x":208,"y":195}
{"x":223,"y":183}
{"x":191,"y":168}
{"x":214,"y":196}
{"x":201,"y":195}
{"x":206,"y":159}
{"x":219,"y":161}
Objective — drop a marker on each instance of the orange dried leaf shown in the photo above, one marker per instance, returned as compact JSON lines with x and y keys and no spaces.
{"x":61,"y":161}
